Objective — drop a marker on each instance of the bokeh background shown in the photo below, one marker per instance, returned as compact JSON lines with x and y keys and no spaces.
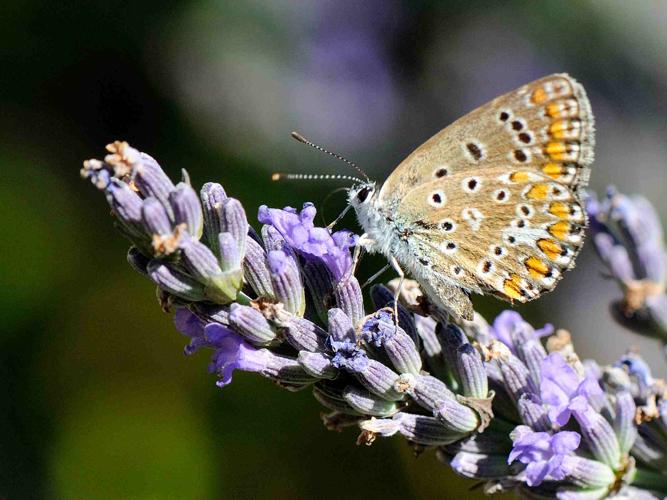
{"x":97,"y":398}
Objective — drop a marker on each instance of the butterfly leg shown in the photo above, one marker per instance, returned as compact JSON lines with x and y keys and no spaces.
{"x":363,"y":242}
{"x":399,"y":288}
{"x":375,"y":276}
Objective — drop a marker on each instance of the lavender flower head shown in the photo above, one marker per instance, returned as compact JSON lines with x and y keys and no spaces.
{"x":507,"y":404}
{"x":628,"y":238}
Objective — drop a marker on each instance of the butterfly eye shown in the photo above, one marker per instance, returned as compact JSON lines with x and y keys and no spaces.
{"x":363,"y":194}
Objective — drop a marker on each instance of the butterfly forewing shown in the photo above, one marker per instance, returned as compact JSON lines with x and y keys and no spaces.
{"x":492,"y":200}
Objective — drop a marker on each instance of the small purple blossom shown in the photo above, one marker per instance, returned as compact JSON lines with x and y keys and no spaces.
{"x":310,"y":241}
{"x":233,"y":353}
{"x":348,"y":355}
{"x":543,"y":453}
{"x":564,"y":390}
{"x":509,"y":327}
{"x":378,"y":328}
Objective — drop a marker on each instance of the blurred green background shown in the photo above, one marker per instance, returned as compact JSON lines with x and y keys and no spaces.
{"x":98,"y":400}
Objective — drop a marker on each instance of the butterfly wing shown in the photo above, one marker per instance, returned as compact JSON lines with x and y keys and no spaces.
{"x":492,"y":201}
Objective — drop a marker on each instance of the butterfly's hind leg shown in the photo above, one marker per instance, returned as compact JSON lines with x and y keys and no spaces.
{"x":375,"y":276}
{"x":401,"y":278}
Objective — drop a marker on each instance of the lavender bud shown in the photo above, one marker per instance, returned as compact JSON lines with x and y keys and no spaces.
{"x":425,"y":430}
{"x":588,"y":473}
{"x":233,"y":220}
{"x":493,"y":440}
{"x":479,"y":465}
{"x":304,"y":335}
{"x":649,"y":453}
{"x":175,"y":282}
{"x":380,"y":380}
{"x":430,"y":393}
{"x":402,"y":352}
{"x":228,"y":252}
{"x":251,"y":324}
{"x":137,"y":260}
{"x":212,"y":195}
{"x":457,"y":417}
{"x":599,"y":437}
{"x":317,"y":365}
{"x":624,"y":424}
{"x":255,"y":270}
{"x":380,"y":331}
{"x":155,"y":217}
{"x":126,"y":205}
{"x":320,"y":284}
{"x":340,"y":326}
{"x":212,"y":313}
{"x":432,"y":349}
{"x":533,"y":413}
{"x":273,"y":240}
{"x":531,"y":352}
{"x":331,"y":396}
{"x":368,"y":404}
{"x":347,"y":294}
{"x":515,"y":374}
{"x":152,"y":181}
{"x":451,"y":337}
{"x":187,"y":209}
{"x":471,"y":372}
{"x":286,"y":282}
{"x":199,"y":260}
{"x":383,"y":297}
{"x":287,"y":371}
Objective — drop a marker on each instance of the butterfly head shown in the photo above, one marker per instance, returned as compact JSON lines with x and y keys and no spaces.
{"x":362,"y":194}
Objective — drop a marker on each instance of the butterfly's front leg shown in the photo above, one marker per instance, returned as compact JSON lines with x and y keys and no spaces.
{"x":363,"y":242}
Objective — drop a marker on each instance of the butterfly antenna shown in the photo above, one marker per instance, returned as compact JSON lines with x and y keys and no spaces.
{"x":280,"y":176}
{"x":300,"y":138}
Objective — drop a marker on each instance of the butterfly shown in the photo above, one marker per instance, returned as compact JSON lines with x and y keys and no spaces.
{"x":492,"y":203}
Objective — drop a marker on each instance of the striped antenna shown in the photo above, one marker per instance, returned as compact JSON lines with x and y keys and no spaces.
{"x":300,"y":138}
{"x":278,"y":176}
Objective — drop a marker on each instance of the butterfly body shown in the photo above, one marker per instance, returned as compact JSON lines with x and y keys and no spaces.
{"x":491,"y":204}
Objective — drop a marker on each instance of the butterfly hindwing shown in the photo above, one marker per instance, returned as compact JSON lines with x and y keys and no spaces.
{"x":492,"y":201}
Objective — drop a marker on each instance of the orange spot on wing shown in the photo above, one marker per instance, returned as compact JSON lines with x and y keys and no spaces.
{"x":536,"y":267}
{"x":538,"y":192}
{"x":519,"y":176}
{"x":559,"y":229}
{"x":512,"y":287}
{"x":567,"y":108}
{"x":552,"y":249}
{"x":562,"y":151}
{"x":553,"y":170}
{"x":559,"y":209}
{"x":565,"y":129}
{"x":539,"y":96}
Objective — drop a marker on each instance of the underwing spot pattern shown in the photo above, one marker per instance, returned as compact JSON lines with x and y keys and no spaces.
{"x":473,"y":217}
{"x":440,"y":172}
{"x":471,"y":184}
{"x":436,"y":199}
{"x":474,"y":151}
{"x":449,"y":247}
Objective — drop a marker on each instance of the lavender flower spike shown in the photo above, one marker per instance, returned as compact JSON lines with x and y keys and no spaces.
{"x":494,"y":402}
{"x":628,"y":238}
